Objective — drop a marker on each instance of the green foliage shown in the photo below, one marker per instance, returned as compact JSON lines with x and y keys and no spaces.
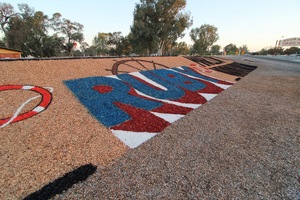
{"x":2,"y":43}
{"x":158,"y":24}
{"x":231,"y":49}
{"x":70,"y":31}
{"x":52,"y":46}
{"x":113,"y":44}
{"x":292,"y":50}
{"x":77,"y":53}
{"x":243,"y":49}
{"x":279,"y":51}
{"x":271,"y":51}
{"x":215,"y":50}
{"x":27,"y":30}
{"x":100,"y":42}
{"x":203,"y":38}
{"x":181,"y":48}
{"x":114,"y":38}
{"x":6,"y":13}
{"x":124,"y":47}
{"x":90,"y":51}
{"x":116,"y":43}
{"x":83,"y":47}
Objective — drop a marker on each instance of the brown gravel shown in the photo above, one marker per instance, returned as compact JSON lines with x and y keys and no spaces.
{"x":243,"y":144}
{"x":38,"y":150}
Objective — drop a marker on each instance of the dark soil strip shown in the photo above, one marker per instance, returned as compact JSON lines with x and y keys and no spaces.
{"x":64,"y":183}
{"x":235,"y":69}
{"x":204,"y":60}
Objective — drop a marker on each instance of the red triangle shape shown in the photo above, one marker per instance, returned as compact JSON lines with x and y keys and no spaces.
{"x":141,"y":120}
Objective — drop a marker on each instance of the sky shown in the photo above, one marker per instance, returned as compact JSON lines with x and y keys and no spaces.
{"x":257,"y":23}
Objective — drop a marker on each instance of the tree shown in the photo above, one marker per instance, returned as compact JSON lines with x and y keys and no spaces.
{"x":100,"y":42}
{"x":6,"y":13}
{"x":111,"y":44}
{"x":84,"y":46}
{"x":14,"y":36}
{"x":203,"y":38}
{"x":114,"y":42}
{"x":181,"y":48}
{"x":215,"y":49}
{"x":36,"y":33}
{"x":2,"y":43}
{"x":28,"y":31}
{"x":114,"y":38}
{"x":243,"y":49}
{"x":271,"y":51}
{"x":263,"y":51}
{"x":275,"y":51}
{"x":90,"y":51}
{"x":292,"y":50}
{"x":124,"y":47}
{"x":158,"y":24}
{"x":70,"y":31}
{"x":52,"y":46}
{"x":231,"y":49}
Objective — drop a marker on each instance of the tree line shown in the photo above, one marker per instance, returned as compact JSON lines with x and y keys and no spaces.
{"x":279,"y":51}
{"x":157,"y":26}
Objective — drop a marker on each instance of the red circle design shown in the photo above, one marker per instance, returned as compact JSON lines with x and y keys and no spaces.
{"x":44,"y":103}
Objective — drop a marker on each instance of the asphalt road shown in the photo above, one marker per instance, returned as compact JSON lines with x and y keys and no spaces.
{"x":292,"y":59}
{"x":242,"y":144}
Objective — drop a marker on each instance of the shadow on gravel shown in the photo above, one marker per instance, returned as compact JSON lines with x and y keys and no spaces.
{"x":63,"y":183}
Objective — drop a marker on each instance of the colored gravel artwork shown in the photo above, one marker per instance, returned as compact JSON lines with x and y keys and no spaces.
{"x":138,"y":105}
{"x":44,"y":93}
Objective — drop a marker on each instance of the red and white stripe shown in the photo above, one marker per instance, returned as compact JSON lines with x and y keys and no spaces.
{"x":44,"y":103}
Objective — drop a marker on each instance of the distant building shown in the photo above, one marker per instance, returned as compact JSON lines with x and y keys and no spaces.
{"x":9,"y":53}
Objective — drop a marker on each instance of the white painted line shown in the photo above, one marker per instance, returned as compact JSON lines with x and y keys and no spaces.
{"x":141,"y":76}
{"x":222,"y":85}
{"x":133,"y":139}
{"x":187,"y":105}
{"x":208,"y":96}
{"x":168,"y":117}
{"x":38,"y":109}
{"x":113,"y":76}
{"x":27,"y":87}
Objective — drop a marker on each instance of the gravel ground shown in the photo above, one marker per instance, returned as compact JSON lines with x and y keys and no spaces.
{"x":41,"y":149}
{"x":243,"y":144}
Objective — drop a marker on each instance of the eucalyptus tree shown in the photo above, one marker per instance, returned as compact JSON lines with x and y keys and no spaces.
{"x":100,"y":42}
{"x":292,"y":50}
{"x":157,"y":24}
{"x":203,"y":38}
{"x":181,"y":48}
{"x":6,"y":13}
{"x":27,"y":31}
{"x":124,"y":47}
{"x":231,"y":49}
{"x":215,"y":49}
{"x":70,"y":32}
{"x":243,"y":49}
